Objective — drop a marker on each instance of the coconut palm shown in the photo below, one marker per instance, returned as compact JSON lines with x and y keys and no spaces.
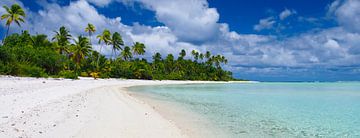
{"x":90,"y":28}
{"x":157,"y":57}
{"x":195,"y":54}
{"x":207,"y":54}
{"x":40,"y":41}
{"x":104,"y":37}
{"x":201,"y":56}
{"x":126,"y":53}
{"x":138,"y":48}
{"x":62,"y":38}
{"x":116,"y":42}
{"x":13,"y":14}
{"x":81,"y":49}
{"x":182,"y":54}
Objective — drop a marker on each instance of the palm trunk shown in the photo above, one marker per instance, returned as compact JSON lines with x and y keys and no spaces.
{"x":90,"y":38}
{"x":112,"y":53}
{"x":7,"y":32}
{"x":115,"y":54}
{"x":99,"y":57}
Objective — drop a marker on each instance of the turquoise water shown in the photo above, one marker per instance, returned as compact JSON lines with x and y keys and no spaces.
{"x":271,"y":109}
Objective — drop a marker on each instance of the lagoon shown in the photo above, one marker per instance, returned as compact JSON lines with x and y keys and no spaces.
{"x":269,"y":109}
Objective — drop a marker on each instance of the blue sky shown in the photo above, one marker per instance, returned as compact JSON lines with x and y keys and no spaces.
{"x":268,"y":40}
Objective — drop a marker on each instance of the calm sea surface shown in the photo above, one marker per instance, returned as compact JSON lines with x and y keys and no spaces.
{"x":271,"y":109}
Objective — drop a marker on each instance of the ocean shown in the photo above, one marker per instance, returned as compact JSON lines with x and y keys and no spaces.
{"x":269,"y":109}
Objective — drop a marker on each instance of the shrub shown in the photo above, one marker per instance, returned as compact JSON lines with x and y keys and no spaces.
{"x":68,"y":74}
{"x":84,"y":74}
{"x":30,"y":71}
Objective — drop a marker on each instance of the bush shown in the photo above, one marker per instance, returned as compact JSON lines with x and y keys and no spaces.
{"x":30,"y":71}
{"x":84,"y":74}
{"x":68,"y":74}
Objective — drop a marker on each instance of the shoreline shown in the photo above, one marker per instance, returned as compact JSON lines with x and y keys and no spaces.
{"x":191,"y":123}
{"x":48,"y":107}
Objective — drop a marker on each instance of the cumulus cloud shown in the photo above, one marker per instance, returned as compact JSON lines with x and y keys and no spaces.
{"x":190,"y":20}
{"x":266,"y":23}
{"x":286,"y":13}
{"x":347,"y":14}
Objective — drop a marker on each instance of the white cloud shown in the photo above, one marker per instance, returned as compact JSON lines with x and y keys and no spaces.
{"x":100,"y":3}
{"x":190,"y":20}
{"x":266,"y":23}
{"x":347,"y":14}
{"x":286,"y":13}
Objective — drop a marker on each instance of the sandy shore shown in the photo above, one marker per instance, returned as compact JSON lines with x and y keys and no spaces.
{"x":33,"y":107}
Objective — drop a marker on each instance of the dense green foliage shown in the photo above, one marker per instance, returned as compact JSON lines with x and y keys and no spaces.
{"x":65,"y":56}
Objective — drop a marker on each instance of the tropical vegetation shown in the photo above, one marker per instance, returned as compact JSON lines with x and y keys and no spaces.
{"x":64,"y":55}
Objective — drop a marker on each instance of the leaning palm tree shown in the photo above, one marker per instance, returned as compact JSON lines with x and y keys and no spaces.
{"x":13,"y":14}
{"x":126,"y":53}
{"x":62,"y":38}
{"x":138,"y":48}
{"x":80,"y":50}
{"x":90,"y":28}
{"x":104,"y":37}
{"x":116,"y":42}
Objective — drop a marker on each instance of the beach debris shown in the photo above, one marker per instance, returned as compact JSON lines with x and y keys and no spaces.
{"x":12,"y":124}
{"x":22,"y":111}
{"x":54,"y":125}
{"x":5,"y":117}
{"x":146,"y":113}
{"x":40,"y":132}
{"x":77,"y":115}
{"x":43,"y":82}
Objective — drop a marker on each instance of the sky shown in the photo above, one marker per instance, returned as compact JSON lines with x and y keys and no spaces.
{"x":265,"y":40}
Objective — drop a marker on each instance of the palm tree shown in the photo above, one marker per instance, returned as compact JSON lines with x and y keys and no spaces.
{"x":201,"y":56}
{"x":157,"y":57}
{"x":40,"y":41}
{"x":81,"y":49}
{"x":104,"y":37}
{"x":195,"y":54}
{"x":126,"y":53}
{"x":169,"y":62}
{"x":116,"y":42}
{"x":62,"y":37}
{"x":182,"y":54}
{"x":90,"y":29}
{"x":207,"y":54}
{"x":14,"y":14}
{"x":138,"y":48}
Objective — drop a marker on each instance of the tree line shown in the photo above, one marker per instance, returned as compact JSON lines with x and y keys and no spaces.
{"x":64,"y":55}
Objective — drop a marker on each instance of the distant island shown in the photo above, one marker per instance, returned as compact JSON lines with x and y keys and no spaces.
{"x":69,"y":57}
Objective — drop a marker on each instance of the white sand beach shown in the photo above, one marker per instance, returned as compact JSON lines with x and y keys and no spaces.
{"x":32,"y":107}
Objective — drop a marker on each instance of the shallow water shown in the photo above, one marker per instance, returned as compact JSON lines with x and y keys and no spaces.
{"x":270,"y":109}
